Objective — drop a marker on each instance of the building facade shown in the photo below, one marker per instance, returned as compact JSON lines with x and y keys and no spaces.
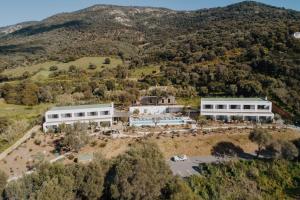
{"x":102,"y":114}
{"x":155,"y":110}
{"x":243,"y":109}
{"x":155,"y":100}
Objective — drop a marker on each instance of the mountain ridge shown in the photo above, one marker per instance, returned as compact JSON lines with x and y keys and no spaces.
{"x":98,"y":7}
{"x":12,"y":28}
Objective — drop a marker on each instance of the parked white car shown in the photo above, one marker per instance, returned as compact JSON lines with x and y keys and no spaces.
{"x":179,"y":158}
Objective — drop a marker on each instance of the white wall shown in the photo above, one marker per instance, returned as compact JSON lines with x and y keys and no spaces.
{"x":151,"y":110}
{"x":73,"y":119}
{"x":241,"y":103}
{"x":237,"y":112}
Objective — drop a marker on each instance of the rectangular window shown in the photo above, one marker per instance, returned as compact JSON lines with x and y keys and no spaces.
{"x":66,"y":115}
{"x":263,"y":107}
{"x":265,"y":119}
{"x":81,"y":114}
{"x":208,"y":106}
{"x":92,"y":113}
{"x":235,"y":107}
{"x":221,"y":107}
{"x":236,"y":118}
{"x":162,"y":101}
{"x":104,"y":113}
{"x":53,"y":116}
{"x":249,"y":107}
{"x":222,"y":117}
{"x":250,"y":118}
{"x":169,"y":100}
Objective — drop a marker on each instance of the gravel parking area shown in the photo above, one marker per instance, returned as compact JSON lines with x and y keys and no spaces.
{"x":190,"y":166}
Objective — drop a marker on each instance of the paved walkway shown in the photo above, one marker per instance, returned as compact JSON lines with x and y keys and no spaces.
{"x":19,"y":142}
{"x":243,"y":127}
{"x":211,"y":128}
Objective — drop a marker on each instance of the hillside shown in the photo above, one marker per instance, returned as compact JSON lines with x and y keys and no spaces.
{"x":105,"y":29}
{"x":245,"y":49}
{"x":96,"y":30}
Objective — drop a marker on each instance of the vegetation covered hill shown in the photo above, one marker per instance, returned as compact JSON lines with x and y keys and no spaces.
{"x":104,"y":29}
{"x":96,"y":30}
{"x":245,"y":49}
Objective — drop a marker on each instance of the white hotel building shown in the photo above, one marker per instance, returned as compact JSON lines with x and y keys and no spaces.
{"x":102,"y":114}
{"x":227,"y":109}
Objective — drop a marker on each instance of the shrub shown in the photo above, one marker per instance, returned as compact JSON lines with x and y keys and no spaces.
{"x":136,"y":112}
{"x":261,"y":137}
{"x":283,"y":149}
{"x":37,"y":141}
{"x":53,"y":68}
{"x":93,"y":143}
{"x":106,"y":61}
{"x":33,"y":134}
{"x":70,"y":156}
{"x":92,"y":66}
{"x":102,"y":144}
{"x":3,"y":179}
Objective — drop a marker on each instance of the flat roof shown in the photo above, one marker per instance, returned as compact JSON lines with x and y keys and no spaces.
{"x":80,"y":107}
{"x":232,"y":99}
{"x":157,"y":96}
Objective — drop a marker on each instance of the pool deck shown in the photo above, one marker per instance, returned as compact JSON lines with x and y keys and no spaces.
{"x":159,"y":120}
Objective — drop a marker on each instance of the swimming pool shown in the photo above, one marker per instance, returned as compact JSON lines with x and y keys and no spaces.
{"x":157,"y":121}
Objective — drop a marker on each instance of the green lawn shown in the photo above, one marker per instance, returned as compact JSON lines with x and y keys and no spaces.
{"x":15,"y":72}
{"x":193,"y":101}
{"x":42,"y":69}
{"x":145,"y":70}
{"x":19,"y":112}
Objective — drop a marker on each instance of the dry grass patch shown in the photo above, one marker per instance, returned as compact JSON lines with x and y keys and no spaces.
{"x":191,"y":145}
{"x":201,"y":145}
{"x":28,"y":154}
{"x":109,"y":148}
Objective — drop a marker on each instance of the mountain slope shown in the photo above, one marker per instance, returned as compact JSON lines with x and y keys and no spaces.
{"x":107,"y":29}
{"x":99,"y":29}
